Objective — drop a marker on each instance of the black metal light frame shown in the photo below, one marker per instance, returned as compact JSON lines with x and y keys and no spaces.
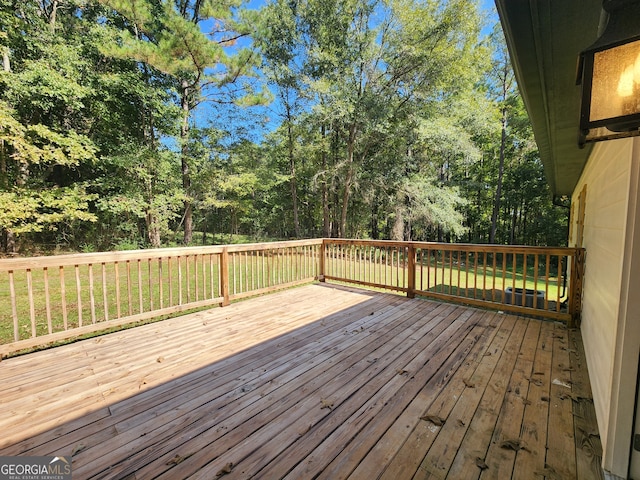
{"x":623,"y":27}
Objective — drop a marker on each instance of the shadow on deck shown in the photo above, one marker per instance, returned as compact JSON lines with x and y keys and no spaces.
{"x":314,"y":382}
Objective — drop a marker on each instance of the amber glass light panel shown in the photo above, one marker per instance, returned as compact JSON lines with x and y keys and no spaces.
{"x":616,"y":82}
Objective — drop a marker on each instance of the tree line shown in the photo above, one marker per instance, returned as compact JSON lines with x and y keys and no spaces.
{"x":142,"y":123}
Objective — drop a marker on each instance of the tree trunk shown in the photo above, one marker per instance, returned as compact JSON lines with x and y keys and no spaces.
{"x":292,"y":172}
{"x":184,"y":157}
{"x":375,"y":231}
{"x":326,"y":219}
{"x":52,"y":16}
{"x":153,"y":230}
{"x":498,"y":195}
{"x":348,"y":179}
{"x":398,"y":225}
{"x":514,"y":221}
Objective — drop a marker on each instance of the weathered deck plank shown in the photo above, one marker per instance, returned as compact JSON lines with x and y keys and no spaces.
{"x":315,"y":382}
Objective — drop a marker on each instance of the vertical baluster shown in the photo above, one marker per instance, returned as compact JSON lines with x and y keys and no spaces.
{"x":32,"y":306}
{"x":514,"y":270}
{"x":63,"y":299}
{"x":406,"y":270}
{"x":79,"y":295}
{"x":391,"y":281}
{"x":546,"y":282}
{"x":443,"y":279}
{"x":204,"y":275}
{"x":246,"y":272}
{"x":14,"y":307}
{"x":129,"y":295}
{"x":475,"y":274}
{"x":170,"y":275}
{"x":92,"y":299}
{"x":232,"y":274}
{"x":150,"y":284}
{"x":366,"y":259}
{"x":536,"y":265}
{"x":484,"y":275}
{"x":140,"y":297}
{"x":105,"y":299}
{"x":179,"y":280}
{"x":188,"y":274}
{"x":428,"y":249}
{"x":398,"y":265}
{"x":493,"y":276}
{"x":220,"y":279}
{"x":450,"y":272}
{"x":118,"y":299}
{"x":460,"y":261}
{"x":211,"y":276}
{"x":560,"y":270}
{"x":254,"y":267}
{"x":504,"y":276}
{"x":161,"y":283}
{"x":420,"y":258}
{"x":196,"y":276}
{"x":466,"y":274}
{"x":47,"y":300}
{"x":524,"y":279}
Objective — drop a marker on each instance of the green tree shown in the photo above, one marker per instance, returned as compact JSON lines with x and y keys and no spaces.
{"x":171,"y":37}
{"x":43,"y":132}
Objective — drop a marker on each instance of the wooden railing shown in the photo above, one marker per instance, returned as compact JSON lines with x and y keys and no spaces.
{"x":47,"y":299}
{"x":540,"y":281}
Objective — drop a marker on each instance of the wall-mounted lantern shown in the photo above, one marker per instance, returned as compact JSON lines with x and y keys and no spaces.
{"x":609,"y":72}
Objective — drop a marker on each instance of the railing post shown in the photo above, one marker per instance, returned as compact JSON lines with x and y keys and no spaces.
{"x":321,"y":261}
{"x":411,"y":284}
{"x":224,"y":277}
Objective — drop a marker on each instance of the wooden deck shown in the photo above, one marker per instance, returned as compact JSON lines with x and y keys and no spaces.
{"x":315,"y":382}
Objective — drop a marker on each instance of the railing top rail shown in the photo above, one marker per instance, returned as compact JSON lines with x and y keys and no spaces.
{"x":122,"y":256}
{"x":475,"y":247}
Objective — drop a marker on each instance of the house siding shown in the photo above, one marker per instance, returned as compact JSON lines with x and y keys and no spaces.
{"x":607,"y":179}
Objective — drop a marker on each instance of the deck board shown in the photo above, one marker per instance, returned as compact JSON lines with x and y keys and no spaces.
{"x":315,"y":382}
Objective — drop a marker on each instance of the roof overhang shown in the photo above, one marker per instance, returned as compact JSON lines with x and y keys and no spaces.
{"x":544,"y":38}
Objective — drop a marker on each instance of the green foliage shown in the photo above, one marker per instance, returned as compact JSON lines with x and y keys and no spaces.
{"x":125,"y":124}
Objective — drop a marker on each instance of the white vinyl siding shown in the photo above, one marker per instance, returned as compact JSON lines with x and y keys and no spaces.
{"x":607,"y":176}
